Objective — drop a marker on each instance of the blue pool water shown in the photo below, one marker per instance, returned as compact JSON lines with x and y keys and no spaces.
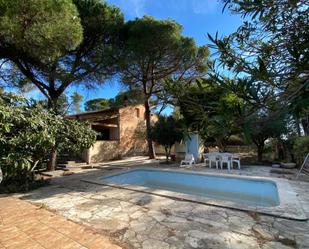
{"x":251,"y":192}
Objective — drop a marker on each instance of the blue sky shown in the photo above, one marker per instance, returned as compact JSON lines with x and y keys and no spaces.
{"x":198,"y":17}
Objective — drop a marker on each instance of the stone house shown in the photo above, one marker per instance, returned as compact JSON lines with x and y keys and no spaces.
{"x":120,"y":133}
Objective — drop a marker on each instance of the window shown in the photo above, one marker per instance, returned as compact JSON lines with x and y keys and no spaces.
{"x":102,"y":133}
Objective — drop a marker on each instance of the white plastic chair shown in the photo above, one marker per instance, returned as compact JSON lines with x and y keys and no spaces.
{"x":188,"y":161}
{"x":236,"y":159}
{"x":206,"y":158}
{"x":214,"y":157}
{"x":226,"y":158}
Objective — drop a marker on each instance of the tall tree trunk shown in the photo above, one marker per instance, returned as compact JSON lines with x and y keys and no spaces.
{"x":51,"y":166}
{"x":260,"y":149}
{"x":52,"y":102}
{"x":166,"y":153}
{"x":148,"y":128}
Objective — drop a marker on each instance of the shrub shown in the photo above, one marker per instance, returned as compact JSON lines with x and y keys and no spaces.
{"x":300,"y":148}
{"x":28,"y":134}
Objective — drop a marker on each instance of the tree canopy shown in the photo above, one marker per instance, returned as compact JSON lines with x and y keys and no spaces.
{"x":263,"y":125}
{"x":96,"y":104}
{"x":210,"y":109}
{"x":269,"y":52}
{"x":90,"y":62}
{"x":155,"y":51}
{"x":76,"y":98}
{"x":259,"y":79}
{"x":126,"y":98}
{"x":166,"y":132}
{"x":38,"y":30}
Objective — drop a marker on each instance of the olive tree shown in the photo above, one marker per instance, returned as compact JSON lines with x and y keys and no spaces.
{"x":166,"y":132}
{"x":263,"y":125}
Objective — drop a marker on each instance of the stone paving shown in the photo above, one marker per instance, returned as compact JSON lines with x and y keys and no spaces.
{"x":25,"y":226}
{"x":142,"y":220}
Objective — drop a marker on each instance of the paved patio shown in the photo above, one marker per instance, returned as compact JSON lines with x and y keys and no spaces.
{"x":25,"y":226}
{"x":141,"y":220}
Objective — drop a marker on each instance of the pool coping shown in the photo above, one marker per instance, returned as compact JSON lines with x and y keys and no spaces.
{"x":289,"y":207}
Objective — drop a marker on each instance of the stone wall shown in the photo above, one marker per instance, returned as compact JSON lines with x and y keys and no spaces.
{"x":104,"y":151}
{"x":132,"y":130}
{"x":131,"y":142}
{"x":179,"y":150}
{"x":240,"y":148}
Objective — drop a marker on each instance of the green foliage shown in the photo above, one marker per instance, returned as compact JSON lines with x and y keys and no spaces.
{"x":73,"y":136}
{"x":269,"y":52}
{"x":166,"y":132}
{"x":131,"y":97}
{"x":300,"y":148}
{"x":91,"y":62}
{"x":76,"y":98}
{"x":155,"y":51}
{"x":96,"y":104}
{"x":217,"y":111}
{"x":267,"y":59}
{"x":210,"y":109}
{"x":61,"y":107}
{"x":263,"y":125}
{"x":28,"y":134}
{"x":39,"y":28}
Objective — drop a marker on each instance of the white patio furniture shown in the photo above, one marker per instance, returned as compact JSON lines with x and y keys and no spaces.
{"x":214,"y":158}
{"x":206,"y":158}
{"x":236,"y":159}
{"x":226,"y":158}
{"x":188,"y":161}
{"x":220,"y":159}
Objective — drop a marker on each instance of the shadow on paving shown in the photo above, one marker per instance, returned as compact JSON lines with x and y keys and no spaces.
{"x":149,"y":221}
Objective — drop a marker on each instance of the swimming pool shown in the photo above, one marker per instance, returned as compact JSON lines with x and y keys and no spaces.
{"x":244,"y":191}
{"x":271,"y":196}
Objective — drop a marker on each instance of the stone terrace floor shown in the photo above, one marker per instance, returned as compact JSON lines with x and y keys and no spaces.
{"x":141,"y":220}
{"x":23,"y":225}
